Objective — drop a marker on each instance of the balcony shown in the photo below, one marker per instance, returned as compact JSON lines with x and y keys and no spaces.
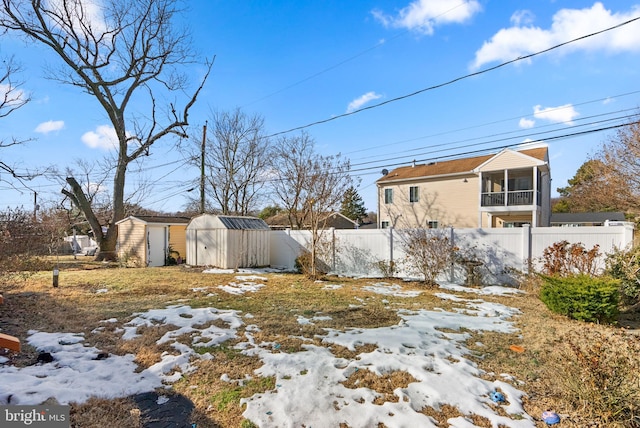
{"x":510,"y":199}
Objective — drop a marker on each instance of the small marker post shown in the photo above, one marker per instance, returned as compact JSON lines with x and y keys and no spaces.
{"x":56,"y":274}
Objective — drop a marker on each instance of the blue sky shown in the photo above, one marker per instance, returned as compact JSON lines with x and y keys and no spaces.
{"x":297,"y":63}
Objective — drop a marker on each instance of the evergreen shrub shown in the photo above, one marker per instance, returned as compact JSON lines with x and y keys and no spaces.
{"x":582,"y":297}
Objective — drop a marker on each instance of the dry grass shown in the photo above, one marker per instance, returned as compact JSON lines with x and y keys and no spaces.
{"x":553,"y":349}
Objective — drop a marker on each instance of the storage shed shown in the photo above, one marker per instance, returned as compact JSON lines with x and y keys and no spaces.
{"x":228,"y":242}
{"x":152,"y":239}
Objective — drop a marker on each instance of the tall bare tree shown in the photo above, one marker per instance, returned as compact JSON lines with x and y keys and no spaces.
{"x":309,"y":185}
{"x":118,"y":52}
{"x":236,"y":161}
{"x":290,"y":166}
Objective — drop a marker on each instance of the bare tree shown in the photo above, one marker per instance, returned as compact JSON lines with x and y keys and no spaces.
{"x":310,"y":186}
{"x":428,"y":252}
{"x":290,"y":168}
{"x":12,"y":97}
{"x":236,"y":161}
{"x":118,"y":52}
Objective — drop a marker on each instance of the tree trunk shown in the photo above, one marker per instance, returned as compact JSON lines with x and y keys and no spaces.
{"x":106,"y":241}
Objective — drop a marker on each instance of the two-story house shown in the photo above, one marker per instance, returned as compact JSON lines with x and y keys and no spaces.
{"x":505,"y":189}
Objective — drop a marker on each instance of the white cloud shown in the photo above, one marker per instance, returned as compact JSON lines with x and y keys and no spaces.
{"x":91,"y":10}
{"x":522,"y":17}
{"x":526,"y":123}
{"x":359,"y":102}
{"x":423,"y":15}
{"x":568,"y":24}
{"x":104,"y":138}
{"x":49,"y":126}
{"x":561,"y":114}
{"x":12,"y":97}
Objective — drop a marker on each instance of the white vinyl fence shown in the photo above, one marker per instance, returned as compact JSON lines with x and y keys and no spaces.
{"x":503,"y":250}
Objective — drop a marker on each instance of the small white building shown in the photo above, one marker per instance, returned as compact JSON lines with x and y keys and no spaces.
{"x":228,"y":242}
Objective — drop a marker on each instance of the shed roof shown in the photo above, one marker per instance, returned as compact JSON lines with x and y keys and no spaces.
{"x":237,"y":222}
{"x":455,"y":166}
{"x":211,"y":221}
{"x":158,"y":219}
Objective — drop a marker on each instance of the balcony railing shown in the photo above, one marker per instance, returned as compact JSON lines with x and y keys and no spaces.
{"x":513,"y":198}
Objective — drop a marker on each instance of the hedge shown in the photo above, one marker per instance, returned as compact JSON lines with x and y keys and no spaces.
{"x":582,"y":297}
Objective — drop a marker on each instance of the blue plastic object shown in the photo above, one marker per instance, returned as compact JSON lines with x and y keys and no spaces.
{"x":497,"y":397}
{"x":550,"y":418}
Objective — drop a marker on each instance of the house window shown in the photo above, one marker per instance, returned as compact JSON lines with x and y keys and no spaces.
{"x":385,"y":225}
{"x":413,"y":194}
{"x":432,"y":224}
{"x":388,"y":196}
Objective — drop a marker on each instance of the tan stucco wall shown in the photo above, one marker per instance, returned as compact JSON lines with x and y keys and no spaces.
{"x":451,"y":202}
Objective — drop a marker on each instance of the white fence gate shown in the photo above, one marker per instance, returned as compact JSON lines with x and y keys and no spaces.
{"x":358,"y":252}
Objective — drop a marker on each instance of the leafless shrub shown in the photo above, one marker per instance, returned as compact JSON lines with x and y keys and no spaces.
{"x":22,"y":241}
{"x":564,"y":259}
{"x":428,"y":252}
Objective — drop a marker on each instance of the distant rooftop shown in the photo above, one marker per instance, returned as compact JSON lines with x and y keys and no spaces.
{"x":581,"y":218}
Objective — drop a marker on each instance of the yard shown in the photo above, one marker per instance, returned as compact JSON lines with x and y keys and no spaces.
{"x":271,"y":349}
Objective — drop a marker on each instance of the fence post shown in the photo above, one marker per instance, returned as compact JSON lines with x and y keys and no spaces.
{"x":526,"y":248}
{"x":333,"y":249}
{"x":391,"y":262}
{"x":453,"y":244}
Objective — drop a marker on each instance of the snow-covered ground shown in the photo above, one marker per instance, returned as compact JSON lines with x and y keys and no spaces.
{"x":309,"y":384}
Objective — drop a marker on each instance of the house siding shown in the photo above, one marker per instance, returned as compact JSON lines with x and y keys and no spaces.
{"x":450,"y":201}
{"x":508,"y":160}
{"x":132,"y":240}
{"x":450,"y":191}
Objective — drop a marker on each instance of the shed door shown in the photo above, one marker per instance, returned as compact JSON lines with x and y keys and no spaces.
{"x":156,"y":246}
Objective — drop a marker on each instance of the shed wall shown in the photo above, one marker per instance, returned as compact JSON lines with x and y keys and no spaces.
{"x":132,"y":240}
{"x":228,"y":249}
{"x":178,"y":239}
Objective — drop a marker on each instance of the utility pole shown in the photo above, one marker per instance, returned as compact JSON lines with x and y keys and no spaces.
{"x":35,"y":206}
{"x":204,"y":139}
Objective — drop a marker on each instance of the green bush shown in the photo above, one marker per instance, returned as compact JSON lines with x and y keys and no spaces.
{"x":582,"y":297}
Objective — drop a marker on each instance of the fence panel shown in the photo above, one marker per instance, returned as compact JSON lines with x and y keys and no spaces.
{"x":608,"y":238}
{"x":502,"y":250}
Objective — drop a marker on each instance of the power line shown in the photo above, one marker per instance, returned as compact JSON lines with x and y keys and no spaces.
{"x":349,"y":59}
{"x":395,"y":143}
{"x":519,"y":136}
{"x":505,"y":146}
{"x":457,"y":79}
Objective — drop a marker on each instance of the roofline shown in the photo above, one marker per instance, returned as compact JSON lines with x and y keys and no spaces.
{"x":148,"y":222}
{"x":427,"y":177}
{"x":539,"y":162}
